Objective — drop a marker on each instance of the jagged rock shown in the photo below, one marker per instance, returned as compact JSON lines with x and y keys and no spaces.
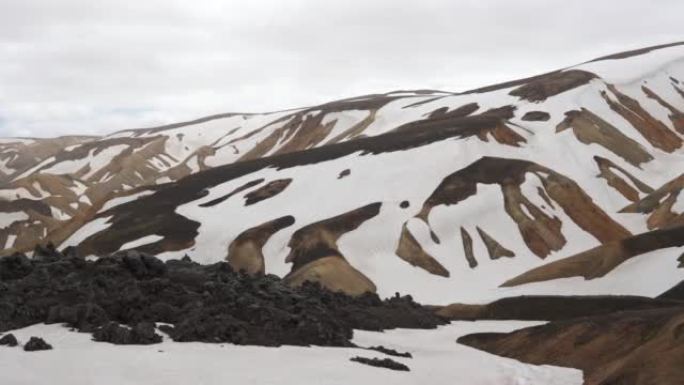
{"x":494,"y":248}
{"x":15,"y":266}
{"x":142,"y":265}
{"x":9,"y":340}
{"x":84,"y":317}
{"x":47,"y":253}
{"x":118,"y":298}
{"x":536,"y":116}
{"x":390,"y":352}
{"x":468,"y":248}
{"x":142,"y":334}
{"x":381,"y":363}
{"x":35,"y":344}
{"x":71,"y":252}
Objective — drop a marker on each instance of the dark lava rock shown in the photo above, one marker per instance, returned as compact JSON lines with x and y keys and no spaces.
{"x":35,"y":344}
{"x":141,"y":334}
{"x":141,"y":265}
{"x":390,"y":352}
{"x":9,"y":340}
{"x":404,"y":204}
{"x":344,"y":173}
{"x":84,"y":317}
{"x":15,"y":266}
{"x":675,"y":293}
{"x":539,"y":116}
{"x":118,"y":298}
{"x":47,"y":253}
{"x":381,"y":363}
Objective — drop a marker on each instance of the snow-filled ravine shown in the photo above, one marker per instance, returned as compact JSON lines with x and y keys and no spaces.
{"x":437,"y":359}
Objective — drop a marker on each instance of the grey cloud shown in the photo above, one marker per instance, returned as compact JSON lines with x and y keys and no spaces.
{"x":79,"y":66}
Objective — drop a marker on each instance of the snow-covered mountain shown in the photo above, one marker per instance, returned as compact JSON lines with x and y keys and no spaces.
{"x":538,"y":184}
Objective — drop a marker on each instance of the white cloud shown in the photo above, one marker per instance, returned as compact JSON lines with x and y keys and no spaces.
{"x":83,"y":67}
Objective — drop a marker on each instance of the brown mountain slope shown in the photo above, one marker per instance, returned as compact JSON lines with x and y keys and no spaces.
{"x":643,"y":347}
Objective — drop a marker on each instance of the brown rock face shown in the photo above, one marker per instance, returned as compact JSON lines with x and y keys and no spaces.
{"x":581,"y":209}
{"x":319,"y":239}
{"x":659,"y":205}
{"x":468,"y":248}
{"x":494,"y":248}
{"x":267,"y":191}
{"x":21,"y":155}
{"x":492,"y":123}
{"x":440,"y":117}
{"x":551,"y":307}
{"x":237,"y":190}
{"x":245,"y":252}
{"x":552,"y":84}
{"x":333,"y":273}
{"x":657,"y":133}
{"x":599,"y":261}
{"x":305,"y":129}
{"x":536,"y":116}
{"x":590,"y":128}
{"x":412,"y":252}
{"x":676,"y":116}
{"x":627,"y":348}
{"x":541,"y":232}
{"x":617,"y":180}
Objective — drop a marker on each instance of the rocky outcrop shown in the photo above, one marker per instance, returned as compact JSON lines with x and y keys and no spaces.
{"x":468,"y":248}
{"x":334,"y":274}
{"x":245,"y":252}
{"x":552,"y":308}
{"x":35,"y":344}
{"x":494,"y":248}
{"x":319,"y":239}
{"x":9,"y":340}
{"x":543,"y":87}
{"x":21,"y":155}
{"x":536,"y":116}
{"x":632,"y":347}
{"x":590,"y":128}
{"x":143,"y":333}
{"x":659,"y":205}
{"x":267,"y":191}
{"x":119,"y":298}
{"x":412,"y":252}
{"x":599,"y":261}
{"x":541,"y":232}
{"x":390,"y":352}
{"x":491,"y":123}
{"x":655,"y":131}
{"x":676,"y":116}
{"x":235,"y":191}
{"x":617,"y":177}
{"x":386,"y":363}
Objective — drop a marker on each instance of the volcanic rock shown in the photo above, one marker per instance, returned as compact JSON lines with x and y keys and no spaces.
{"x":9,"y":340}
{"x":381,"y":363}
{"x":35,"y":344}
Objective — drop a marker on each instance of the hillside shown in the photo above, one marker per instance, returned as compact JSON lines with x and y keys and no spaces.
{"x":443,"y":195}
{"x":551,"y":198}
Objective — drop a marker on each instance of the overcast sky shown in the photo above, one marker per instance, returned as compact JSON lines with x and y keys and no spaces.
{"x":86,"y":67}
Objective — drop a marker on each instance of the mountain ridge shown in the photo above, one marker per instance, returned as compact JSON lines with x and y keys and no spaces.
{"x":616,"y":122}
